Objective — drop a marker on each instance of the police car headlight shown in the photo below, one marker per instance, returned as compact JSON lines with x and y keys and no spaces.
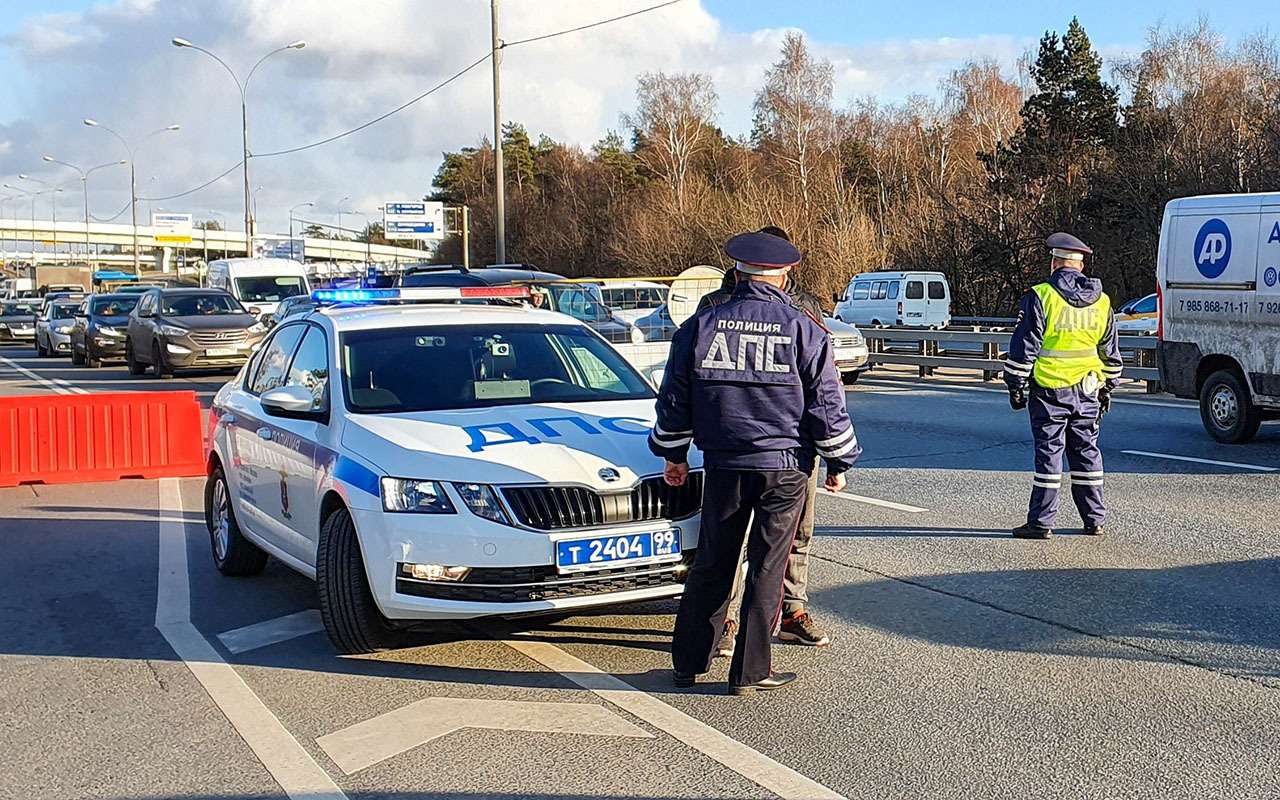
{"x":482,"y":501}
{"x":417,"y":497}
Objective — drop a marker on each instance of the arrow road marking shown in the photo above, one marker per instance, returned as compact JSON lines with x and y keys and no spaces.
{"x":366,"y":743}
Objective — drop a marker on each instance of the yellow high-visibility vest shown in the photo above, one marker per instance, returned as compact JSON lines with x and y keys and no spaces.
{"x":1069,"y":351}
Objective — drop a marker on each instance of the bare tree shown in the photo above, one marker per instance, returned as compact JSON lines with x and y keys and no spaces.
{"x":794,"y":120}
{"x":673,"y":124}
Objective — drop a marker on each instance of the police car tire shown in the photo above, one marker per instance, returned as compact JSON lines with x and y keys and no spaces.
{"x":350,"y":616}
{"x":1248,"y":415}
{"x":243,"y":557}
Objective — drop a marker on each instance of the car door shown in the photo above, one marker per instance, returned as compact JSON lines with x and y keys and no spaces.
{"x":939,"y":302}
{"x":296,"y":440}
{"x":263,"y":464}
{"x":139,"y":326}
{"x":914,"y":304}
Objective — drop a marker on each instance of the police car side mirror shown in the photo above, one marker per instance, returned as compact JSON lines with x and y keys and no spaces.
{"x":288,"y":401}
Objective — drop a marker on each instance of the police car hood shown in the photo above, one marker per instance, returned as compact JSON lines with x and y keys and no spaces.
{"x":579,"y":443}
{"x":1075,"y":287}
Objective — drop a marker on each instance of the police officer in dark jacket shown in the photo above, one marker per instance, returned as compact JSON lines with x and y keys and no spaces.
{"x":797,"y":625}
{"x":1064,"y":361}
{"x":753,"y":383}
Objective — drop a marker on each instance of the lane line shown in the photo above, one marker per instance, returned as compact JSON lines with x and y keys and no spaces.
{"x":1188,"y":406}
{"x":742,"y":759}
{"x":1172,"y":457}
{"x":272,"y":631}
{"x":873,"y":501}
{"x":56,"y":384}
{"x":292,"y":767}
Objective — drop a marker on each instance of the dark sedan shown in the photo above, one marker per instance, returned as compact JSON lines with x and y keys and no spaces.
{"x":100,"y":329}
{"x":172,"y":329}
{"x":18,"y":321}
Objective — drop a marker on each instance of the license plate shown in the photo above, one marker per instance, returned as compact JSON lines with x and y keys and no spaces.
{"x":221,"y":352}
{"x":576,"y":555}
{"x":848,"y":355}
{"x":23,"y":330}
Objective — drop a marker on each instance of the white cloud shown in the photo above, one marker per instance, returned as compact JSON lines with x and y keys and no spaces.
{"x":114,"y":62}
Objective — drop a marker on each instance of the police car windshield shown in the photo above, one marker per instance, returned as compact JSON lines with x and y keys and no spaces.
{"x":478,"y":366}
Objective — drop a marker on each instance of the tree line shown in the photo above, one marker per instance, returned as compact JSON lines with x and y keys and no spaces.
{"x":968,"y":182}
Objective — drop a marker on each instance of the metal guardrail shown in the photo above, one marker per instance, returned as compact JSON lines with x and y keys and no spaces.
{"x":984,"y":350}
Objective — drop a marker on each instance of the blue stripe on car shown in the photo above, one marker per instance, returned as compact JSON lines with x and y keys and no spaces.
{"x":355,"y":474}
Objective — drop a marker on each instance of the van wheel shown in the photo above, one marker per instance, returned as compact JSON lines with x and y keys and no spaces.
{"x":232,"y":553}
{"x":351,"y":618}
{"x":1227,"y":410}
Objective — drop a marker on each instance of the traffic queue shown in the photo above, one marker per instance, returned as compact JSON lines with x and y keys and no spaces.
{"x":471,"y":443}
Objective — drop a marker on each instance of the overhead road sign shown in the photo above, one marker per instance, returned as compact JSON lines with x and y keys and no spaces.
{"x":171,"y":228}
{"x":264,"y":247}
{"x":419,"y":220}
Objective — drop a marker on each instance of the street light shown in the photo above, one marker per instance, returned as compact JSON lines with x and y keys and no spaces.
{"x":53,"y":206}
{"x":33,"y":196}
{"x":243,"y":86}
{"x":368,"y":250}
{"x":133,"y":175}
{"x":295,"y":208}
{"x":84,"y":182}
{"x":256,"y":189}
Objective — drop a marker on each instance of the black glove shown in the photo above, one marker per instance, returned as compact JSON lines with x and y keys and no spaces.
{"x":1018,"y":398}
{"x":1104,"y":400}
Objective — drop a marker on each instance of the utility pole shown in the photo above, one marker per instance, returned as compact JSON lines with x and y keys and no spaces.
{"x":499,"y":188}
{"x":466,"y":238}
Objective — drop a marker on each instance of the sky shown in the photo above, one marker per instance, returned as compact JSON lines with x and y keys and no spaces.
{"x":111,"y":60}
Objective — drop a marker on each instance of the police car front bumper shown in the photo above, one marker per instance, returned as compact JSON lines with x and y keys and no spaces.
{"x":512,"y":570}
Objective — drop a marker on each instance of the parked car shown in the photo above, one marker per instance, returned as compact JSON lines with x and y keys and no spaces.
{"x":101,"y":324}
{"x":631,"y":300}
{"x":917,"y":299}
{"x":18,"y":321}
{"x":657,"y":325}
{"x":1138,"y":316}
{"x":850,"y":349}
{"x":582,"y":301}
{"x":172,"y":329}
{"x":53,"y":328}
{"x":291,"y":306}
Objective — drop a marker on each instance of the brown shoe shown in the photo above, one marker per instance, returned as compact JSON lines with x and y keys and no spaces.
{"x":799,"y":628}
{"x":728,"y":638}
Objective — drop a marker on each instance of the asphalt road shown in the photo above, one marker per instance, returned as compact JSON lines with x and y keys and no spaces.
{"x":965,"y":664}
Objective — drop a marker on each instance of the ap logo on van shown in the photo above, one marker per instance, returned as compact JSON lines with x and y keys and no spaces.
{"x":1213,"y":248}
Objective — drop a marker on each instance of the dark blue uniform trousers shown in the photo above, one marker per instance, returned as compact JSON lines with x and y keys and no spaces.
{"x":1065,"y":420}
{"x":729,"y":498}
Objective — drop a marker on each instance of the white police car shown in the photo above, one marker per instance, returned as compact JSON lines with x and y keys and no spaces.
{"x":444,"y":461}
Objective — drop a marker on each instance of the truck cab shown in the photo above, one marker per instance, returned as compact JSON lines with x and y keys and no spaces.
{"x":1218,"y":284}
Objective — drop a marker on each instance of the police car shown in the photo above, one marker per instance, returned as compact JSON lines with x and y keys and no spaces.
{"x":428,"y":461}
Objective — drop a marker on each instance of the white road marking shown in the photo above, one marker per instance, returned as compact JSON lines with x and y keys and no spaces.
{"x":56,"y":384}
{"x":272,"y":631}
{"x":1172,"y":457}
{"x":290,"y":765}
{"x":942,"y":387}
{"x":873,"y":501}
{"x":747,"y":762}
{"x":366,"y":743}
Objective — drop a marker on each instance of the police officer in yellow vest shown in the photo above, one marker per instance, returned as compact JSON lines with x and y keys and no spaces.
{"x":1063,"y":363}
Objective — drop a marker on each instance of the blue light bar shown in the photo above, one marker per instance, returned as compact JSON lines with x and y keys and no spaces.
{"x":354,"y":295}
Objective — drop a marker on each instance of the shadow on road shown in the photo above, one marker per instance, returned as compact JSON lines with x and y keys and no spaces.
{"x":1219,"y":616}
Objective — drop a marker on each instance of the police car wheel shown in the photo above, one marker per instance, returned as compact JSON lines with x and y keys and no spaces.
{"x":232,"y":553}
{"x":1226,"y":409}
{"x":351,"y":618}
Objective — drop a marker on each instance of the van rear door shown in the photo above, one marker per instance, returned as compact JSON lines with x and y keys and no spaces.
{"x":914,"y":305}
{"x":939,"y":302}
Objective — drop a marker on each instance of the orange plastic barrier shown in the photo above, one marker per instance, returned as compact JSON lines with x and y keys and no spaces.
{"x":100,"y":437}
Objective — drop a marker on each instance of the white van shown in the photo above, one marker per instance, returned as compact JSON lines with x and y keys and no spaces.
{"x":1218,"y":282}
{"x":919,"y":299}
{"x":259,"y":283}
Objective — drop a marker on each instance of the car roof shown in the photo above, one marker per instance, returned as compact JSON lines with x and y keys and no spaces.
{"x":867,"y":276}
{"x":179,"y":290}
{"x":353,"y":317}
{"x":606,"y":285}
{"x":485,"y":276}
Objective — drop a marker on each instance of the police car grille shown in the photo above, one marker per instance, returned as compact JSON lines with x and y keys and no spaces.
{"x":549,"y":508}
{"x":525,"y":584}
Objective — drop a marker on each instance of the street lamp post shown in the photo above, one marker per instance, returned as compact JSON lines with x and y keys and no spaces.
{"x":368,"y":250}
{"x":5,"y":199}
{"x":53,"y":210}
{"x":33,"y":196}
{"x":340,"y":202}
{"x":84,"y":183}
{"x":243,"y":86}
{"x":295,"y":208}
{"x":133,"y":176}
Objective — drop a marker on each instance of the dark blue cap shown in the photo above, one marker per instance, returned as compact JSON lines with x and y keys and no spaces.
{"x":761,"y":253}
{"x":1067,"y":243}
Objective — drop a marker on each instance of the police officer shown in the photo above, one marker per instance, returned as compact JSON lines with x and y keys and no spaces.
{"x":753,"y":383}
{"x":797,"y":625}
{"x":1064,"y":361}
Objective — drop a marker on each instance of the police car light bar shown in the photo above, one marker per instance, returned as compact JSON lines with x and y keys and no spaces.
{"x":410,"y":294}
